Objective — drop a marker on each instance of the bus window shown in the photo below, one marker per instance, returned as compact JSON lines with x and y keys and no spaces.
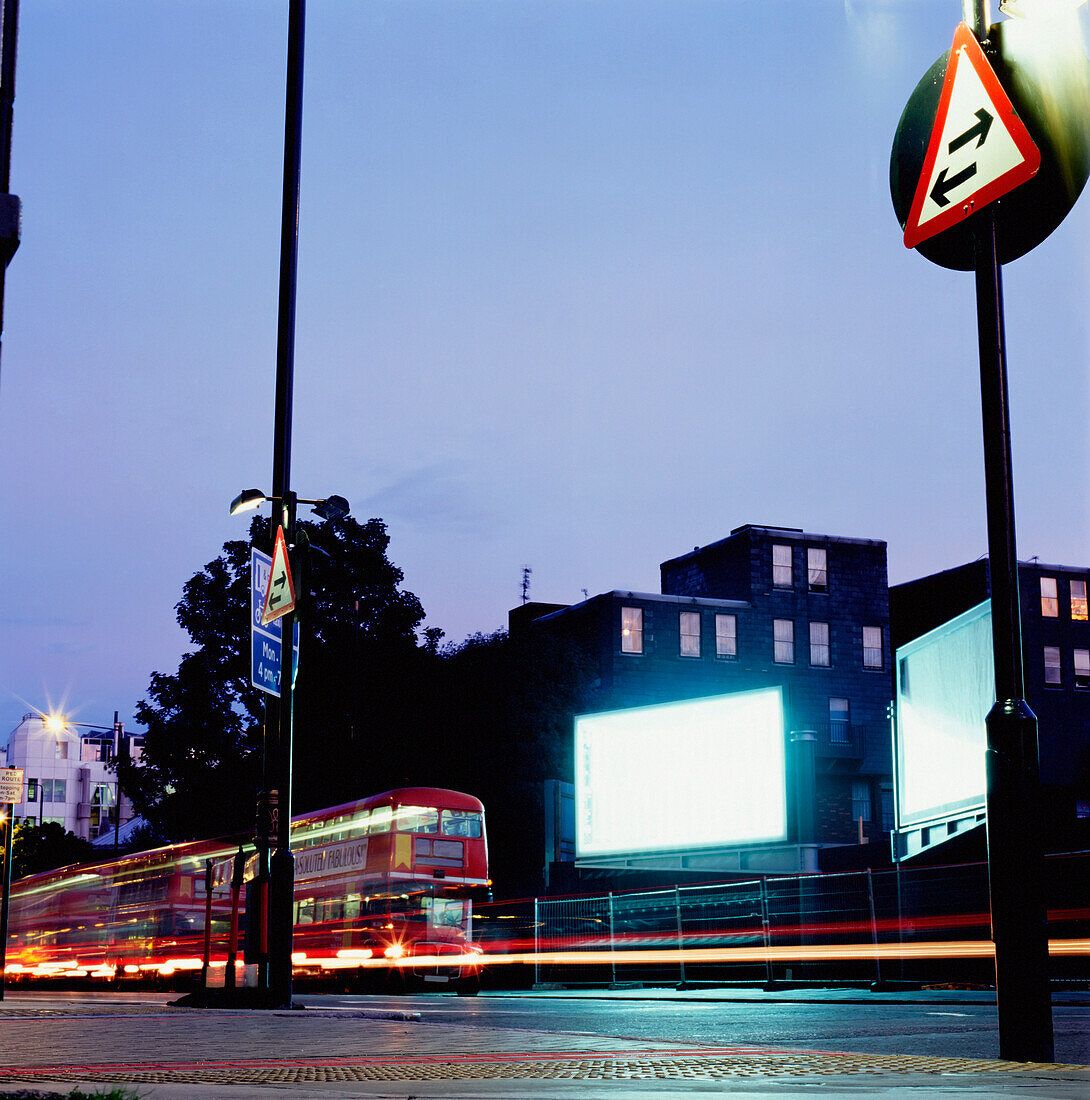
{"x":417,"y":819}
{"x":462,"y":823}
{"x":444,"y":913}
{"x":359,"y":825}
{"x":380,"y":820}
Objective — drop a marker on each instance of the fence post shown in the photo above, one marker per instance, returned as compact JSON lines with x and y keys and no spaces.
{"x":680,"y":942}
{"x":612,"y":956}
{"x":874,"y":929}
{"x":537,"y":932}
{"x":766,"y":935}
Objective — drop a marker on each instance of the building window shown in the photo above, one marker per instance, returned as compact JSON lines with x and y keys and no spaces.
{"x":689,"y":627}
{"x":1052,"y":665}
{"x":839,"y":723}
{"x":1078,"y":601}
{"x":631,"y":630}
{"x":861,"y":808}
{"x":885,"y":806}
{"x":726,"y":636}
{"x":1082,"y":668}
{"x":872,"y":647}
{"x":783,"y":636}
{"x":817,"y":569}
{"x":1050,"y":602}
{"x":53,"y":790}
{"x":782,"y":574}
{"x":819,"y":645}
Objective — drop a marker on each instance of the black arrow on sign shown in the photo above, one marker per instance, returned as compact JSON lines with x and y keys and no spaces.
{"x":943,"y":185}
{"x":274,"y":599}
{"x":979,"y":131}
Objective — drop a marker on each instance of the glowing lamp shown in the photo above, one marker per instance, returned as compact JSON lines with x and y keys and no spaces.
{"x":1038,"y":9}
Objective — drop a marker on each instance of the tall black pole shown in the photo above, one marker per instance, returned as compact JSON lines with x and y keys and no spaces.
{"x":9,"y":204}
{"x":1015,"y":849}
{"x":5,"y":875}
{"x":282,"y":864}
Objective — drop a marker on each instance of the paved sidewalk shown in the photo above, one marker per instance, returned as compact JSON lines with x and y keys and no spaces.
{"x":167,"y":1053}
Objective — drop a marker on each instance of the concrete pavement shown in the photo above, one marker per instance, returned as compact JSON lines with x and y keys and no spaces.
{"x":54,"y":1044}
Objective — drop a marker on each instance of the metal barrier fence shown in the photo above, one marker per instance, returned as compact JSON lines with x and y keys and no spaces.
{"x":928,"y":925}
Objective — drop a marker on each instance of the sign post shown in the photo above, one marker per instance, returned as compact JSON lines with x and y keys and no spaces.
{"x":1016,"y":879}
{"x":978,"y":151}
{"x":11,"y":792}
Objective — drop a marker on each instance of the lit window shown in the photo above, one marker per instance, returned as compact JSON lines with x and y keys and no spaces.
{"x":861,"y":800}
{"x":783,"y":636}
{"x":839,"y":724}
{"x":32,"y":790}
{"x":689,"y":625}
{"x":631,"y":630}
{"x":1050,"y":602}
{"x":817,"y":569}
{"x":1052,"y":665}
{"x":819,"y":644}
{"x":1082,"y":668}
{"x":726,"y":636}
{"x":781,"y":567}
{"x":1078,"y":600}
{"x":872,"y":647}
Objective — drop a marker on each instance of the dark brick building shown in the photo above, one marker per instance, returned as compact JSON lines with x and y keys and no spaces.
{"x":1056,"y":661}
{"x":764,"y":607}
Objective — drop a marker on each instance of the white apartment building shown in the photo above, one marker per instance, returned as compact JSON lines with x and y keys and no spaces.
{"x":67,"y":777}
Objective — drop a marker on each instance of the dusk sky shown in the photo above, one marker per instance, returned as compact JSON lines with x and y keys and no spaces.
{"x":582,"y":284}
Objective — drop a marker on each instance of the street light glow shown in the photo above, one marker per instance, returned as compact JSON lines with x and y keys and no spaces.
{"x":1039,"y":9}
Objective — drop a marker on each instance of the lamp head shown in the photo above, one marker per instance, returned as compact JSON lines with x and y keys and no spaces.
{"x":247,"y":501}
{"x":333,"y":507}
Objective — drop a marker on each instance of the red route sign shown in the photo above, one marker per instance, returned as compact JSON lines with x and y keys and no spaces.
{"x":979,"y":148}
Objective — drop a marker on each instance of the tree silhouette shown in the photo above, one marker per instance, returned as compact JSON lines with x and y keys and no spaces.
{"x":201,"y":763}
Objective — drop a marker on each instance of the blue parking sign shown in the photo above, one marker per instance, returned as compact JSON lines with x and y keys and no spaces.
{"x":265,"y":641}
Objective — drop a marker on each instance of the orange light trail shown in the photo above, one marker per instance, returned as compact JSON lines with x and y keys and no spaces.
{"x":950,"y":949}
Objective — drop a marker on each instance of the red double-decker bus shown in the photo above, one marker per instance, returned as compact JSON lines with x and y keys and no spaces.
{"x":388,"y":884}
{"x":384,"y":887}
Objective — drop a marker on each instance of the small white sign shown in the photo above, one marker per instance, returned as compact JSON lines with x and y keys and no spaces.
{"x":11,"y":786}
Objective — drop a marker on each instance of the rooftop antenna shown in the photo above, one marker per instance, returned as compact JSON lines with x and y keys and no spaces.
{"x":526,"y":571}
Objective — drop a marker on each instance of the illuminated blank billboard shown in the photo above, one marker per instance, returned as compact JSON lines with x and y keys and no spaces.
{"x":945,"y":688}
{"x":697,"y":774}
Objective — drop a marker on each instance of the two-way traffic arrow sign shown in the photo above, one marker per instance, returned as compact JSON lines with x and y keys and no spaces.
{"x":979,"y":148}
{"x":280,"y":593}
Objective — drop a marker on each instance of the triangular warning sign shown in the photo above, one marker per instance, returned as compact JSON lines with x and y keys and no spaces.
{"x":979,"y":148}
{"x":280,"y":592}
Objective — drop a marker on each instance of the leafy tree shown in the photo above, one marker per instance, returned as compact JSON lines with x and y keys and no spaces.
{"x":201,"y":764}
{"x":43,"y":847}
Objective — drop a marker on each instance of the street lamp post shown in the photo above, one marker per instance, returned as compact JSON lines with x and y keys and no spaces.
{"x":276,"y":873}
{"x":1015,"y":849}
{"x":279,"y":717}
